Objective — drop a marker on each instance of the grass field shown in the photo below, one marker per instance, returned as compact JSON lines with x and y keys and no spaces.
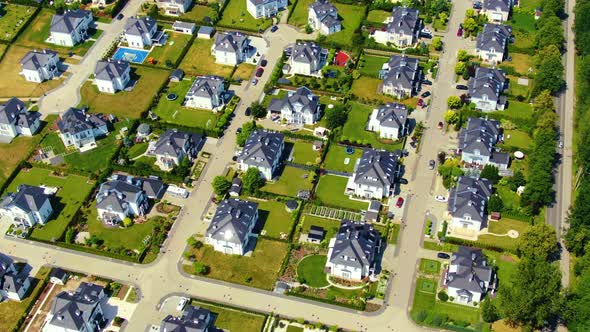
{"x":366,"y":88}
{"x":230,"y":319}
{"x":14,"y":18}
{"x":510,"y":199}
{"x":354,"y":129}
{"x":136,"y":101}
{"x":198,"y":13}
{"x":137,"y":150}
{"x":372,"y":64}
{"x":518,"y":110}
{"x":72,"y":190}
{"x":236,"y":15}
{"x":174,"y":112}
{"x":300,"y":13}
{"x":275,"y":219}
{"x":352,"y":16}
{"x":530,"y":5}
{"x":331,"y":226}
{"x":336,"y":159}
{"x":14,"y":85}
{"x":523,"y":27}
{"x":244,"y":71}
{"x":505,"y":224}
{"x":200,"y":61}
{"x":516,"y":89}
{"x":518,"y":139}
{"x":290,"y":181}
{"x":311,"y":269}
{"x":378,"y":16}
{"x":303,"y":153}
{"x":331,"y":189}
{"x":259,"y":270}
{"x":429,"y":266}
{"x":172,"y":50}
{"x":521,"y":63}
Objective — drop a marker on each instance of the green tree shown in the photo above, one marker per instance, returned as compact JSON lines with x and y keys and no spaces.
{"x":153,"y":11}
{"x":443,"y":296}
{"x":516,"y":180}
{"x":252,"y":180}
{"x":443,"y":17}
{"x":549,"y":75}
{"x":257,"y":110}
{"x":495,"y":204}
{"x":460,"y":68}
{"x":544,"y":102}
{"x":335,"y":117}
{"x":221,"y":185}
{"x":247,"y":129}
{"x":454,"y":102}
{"x":491,"y":173}
{"x":538,"y":242}
{"x":489,"y":312}
{"x":127,"y":222}
{"x":451,"y":117}
{"x":551,"y":33}
{"x":200,"y":268}
{"x":191,"y":241}
{"x":437,"y":43}
{"x":470,"y":25}
{"x":463,"y":56}
{"x":578,"y":317}
{"x":69,"y":238}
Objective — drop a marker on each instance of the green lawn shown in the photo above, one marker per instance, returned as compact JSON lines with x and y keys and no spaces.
{"x":354,"y":129}
{"x":199,"y":60}
{"x":300,"y":13}
{"x":516,"y":89}
{"x":236,"y":15}
{"x":446,"y":247}
{"x":290,"y":181}
{"x":259,"y":270}
{"x":521,"y":63}
{"x":378,"y":16}
{"x":510,"y":199}
{"x":352,"y":17}
{"x":174,"y":112}
{"x":244,"y":71}
{"x":53,"y":142}
{"x":518,"y":139}
{"x":372,"y":64}
{"x":506,"y":224}
{"x":336,"y":159}
{"x":429,"y":266}
{"x":331,"y":226}
{"x":303,"y":153}
{"x":72,"y":190}
{"x":137,"y":150}
{"x":523,"y":27}
{"x":172,"y":50}
{"x":230,"y":319}
{"x":14,"y":18}
{"x":505,"y":263}
{"x":311,"y":269}
{"x":393,"y":233}
{"x":366,"y":88}
{"x":292,"y":328}
{"x":198,"y":13}
{"x":275,"y":218}
{"x":331,"y":192}
{"x":136,"y":101}
{"x":518,"y":110}
{"x":530,"y":5}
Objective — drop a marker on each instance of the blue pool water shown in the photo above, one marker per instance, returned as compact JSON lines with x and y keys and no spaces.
{"x":131,"y":54}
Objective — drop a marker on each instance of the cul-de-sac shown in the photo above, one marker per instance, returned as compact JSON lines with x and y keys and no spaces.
{"x":294,"y":165}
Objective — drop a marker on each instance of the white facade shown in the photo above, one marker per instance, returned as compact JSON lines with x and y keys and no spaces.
{"x":465,"y":222}
{"x":264,"y":8}
{"x":28,"y":219}
{"x":463,"y":297}
{"x":315,"y":22}
{"x":490,"y":56}
{"x":397,"y":39}
{"x":115,"y":84}
{"x":265,"y":172}
{"x":384,"y":131}
{"x":17,"y":295}
{"x":367,"y":191}
{"x":139,"y":41}
{"x":174,"y":8}
{"x":83,"y":139}
{"x":229,"y":247}
{"x":229,"y":57}
{"x":487,"y":103}
{"x":496,"y":15}
{"x":43,"y":73}
{"x":77,"y":35}
{"x":12,"y":130}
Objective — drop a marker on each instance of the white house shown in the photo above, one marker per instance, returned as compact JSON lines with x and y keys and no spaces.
{"x":307,"y":58}
{"x":299,"y":107}
{"x":389,"y":120}
{"x":193,"y":319}
{"x":265,"y":8}
{"x":477,"y":144}
{"x":402,"y":30}
{"x":70,"y":28}
{"x":230,"y":48}
{"x":184,"y":27}
{"x":39,"y":66}
{"x":207,"y":92}
{"x":175,"y":7}
{"x":79,"y":129}
{"x":497,"y":11}
{"x":263,"y":150}
{"x":323,"y":16}
{"x":121,"y":197}
{"x":467,"y":203}
{"x":82,"y":310}
{"x":140,"y":32}
{"x":353,"y":253}
{"x":469,"y":277}
{"x":375,"y":174}
{"x":486,"y":88}
{"x":231,"y":227}
{"x":16,"y":120}
{"x":15,"y":287}
{"x":28,"y":206}
{"x":401,"y":76}
{"x":492,"y":42}
{"x":173,"y":146}
{"x":111,"y":75}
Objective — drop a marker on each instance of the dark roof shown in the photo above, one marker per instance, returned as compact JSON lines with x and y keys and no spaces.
{"x":13,"y":283}
{"x":316,"y":233}
{"x":183,"y":25}
{"x":10,"y":110}
{"x":300,"y":101}
{"x":27,"y":198}
{"x":172,"y":143}
{"x":400,"y":71}
{"x":110,"y":69}
{"x":177,"y":74}
{"x":75,"y":120}
{"x":206,"y":86}
{"x":291,"y":204}
{"x":140,"y":26}
{"x":473,"y":271}
{"x":58,"y":273}
{"x":326,"y":13}
{"x":356,"y":244}
{"x":231,"y":41}
{"x":74,"y":310}
{"x":479,"y":135}
{"x":232,"y":220}
{"x":306,"y":52}
{"x":501,"y":5}
{"x":488,"y":82}
{"x":34,"y":60}
{"x":153,"y":187}
{"x":392,"y":115}
{"x":5,"y":264}
{"x":236,"y":186}
{"x":500,"y":158}
{"x":68,"y":22}
{"x":494,"y":37}
{"x":374,"y":206}
{"x":469,"y":198}
{"x":405,"y":21}
{"x":193,"y":319}
{"x":118,"y":192}
{"x":262,"y":148}
{"x":206,"y":30}
{"x":377,"y":168}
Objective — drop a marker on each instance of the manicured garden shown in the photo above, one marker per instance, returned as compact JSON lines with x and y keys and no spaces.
{"x":14,"y":18}
{"x":230,"y":319}
{"x":518,"y":110}
{"x":290,"y":181}
{"x":198,"y":13}
{"x":300,"y":13}
{"x":199,"y":60}
{"x":331,"y":189}
{"x":378,"y":16}
{"x":304,"y":154}
{"x":429,"y":266}
{"x":310,"y":271}
{"x":370,"y":65}
{"x":352,"y":17}
{"x":236,"y":15}
{"x":172,"y":50}
{"x":365,"y":88}
{"x":338,"y":160}
{"x":330,"y":226}
{"x":517,"y":139}
{"x":354,"y":129}
{"x":277,"y":222}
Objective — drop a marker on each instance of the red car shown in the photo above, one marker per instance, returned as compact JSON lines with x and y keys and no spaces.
{"x":420,"y":102}
{"x":460,"y":32}
{"x":400,"y":202}
{"x":259,"y":71}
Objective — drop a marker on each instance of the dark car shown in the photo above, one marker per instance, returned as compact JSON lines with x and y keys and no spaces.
{"x":259,"y":71}
{"x":425,"y":94}
{"x":248,"y":111}
{"x":239,"y":130}
{"x":461,"y":87}
{"x":263,"y":63}
{"x":403,"y":181}
{"x":443,"y":255}
{"x":274,"y":28}
{"x":460,"y":32}
{"x":431,"y":164}
{"x":427,"y":82}
{"x":120,"y":17}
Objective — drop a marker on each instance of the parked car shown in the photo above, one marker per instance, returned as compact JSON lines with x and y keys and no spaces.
{"x":443,"y":255}
{"x":274,"y":28}
{"x":440,"y":198}
{"x":120,"y":17}
{"x":440,"y":125}
{"x":259,"y":71}
{"x":248,"y":110}
{"x":461,"y":87}
{"x":460,"y":32}
{"x":403,"y":181}
{"x":239,"y":130}
{"x":183,"y":301}
{"x":425,"y":94}
{"x":561,"y":144}
{"x":263,"y":63}
{"x":431,"y":164}
{"x":426,"y":82}
{"x":477,"y":5}
{"x":400,"y":202}
{"x":254,"y":81}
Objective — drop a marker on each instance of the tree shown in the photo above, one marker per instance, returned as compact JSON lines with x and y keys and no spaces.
{"x":443,"y":296}
{"x":451,"y":117}
{"x":221,"y":185}
{"x":127,"y":222}
{"x":335,"y":117}
{"x":470,"y":25}
{"x":551,"y":33}
{"x":463,"y":56}
{"x":549,"y":75}
{"x":443,"y":17}
{"x":257,"y":110}
{"x":495,"y":204}
{"x":491,"y":173}
{"x":454,"y":102}
{"x":247,"y":129}
{"x":538,"y":242}
{"x":153,"y":11}
{"x":191,"y":241}
{"x":437,"y":43}
{"x":200,"y":268}
{"x":579,"y":311}
{"x":308,"y":29}
{"x":460,"y":68}
{"x":69,"y":235}
{"x":252,"y":180}
{"x":489,"y":312}
{"x":516,"y":180}
{"x":543,"y":102}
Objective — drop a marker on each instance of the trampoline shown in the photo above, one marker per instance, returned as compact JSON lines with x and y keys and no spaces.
{"x":349,"y":150}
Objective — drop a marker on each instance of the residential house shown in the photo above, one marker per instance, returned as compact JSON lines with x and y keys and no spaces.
{"x":467,"y":203}
{"x":307,"y":58}
{"x":16,"y":120}
{"x":263,"y":150}
{"x":175,"y":7}
{"x":375,"y":174}
{"x":205,"y":32}
{"x":300,"y":107}
{"x":231,"y":227}
{"x":187,"y":28}
{"x":401,"y":76}
{"x":176,"y":76}
{"x":486,"y":88}
{"x":15,"y":286}
{"x":70,"y":28}
{"x":403,"y":28}
{"x":492,"y":42}
{"x":120,"y":198}
{"x":265,"y":8}
{"x":323,"y":16}
{"x":497,"y":11}
{"x":173,"y":146}
{"x":477,"y":144}
{"x":39,"y":66}
{"x":469,"y":277}
{"x":389,"y":120}
{"x":354,"y":252}
{"x":58,"y":276}
{"x":6,"y":266}
{"x":153,"y":187}
{"x":193,"y":319}
{"x":79,"y":129}
{"x":207,"y":92}
{"x":140,"y":32}
{"x":82,"y":310}
{"x":28,"y":206}
{"x":112,"y":75}
{"x":230,"y":48}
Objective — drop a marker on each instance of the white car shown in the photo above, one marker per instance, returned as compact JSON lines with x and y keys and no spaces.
{"x":440,"y":198}
{"x":181,"y":303}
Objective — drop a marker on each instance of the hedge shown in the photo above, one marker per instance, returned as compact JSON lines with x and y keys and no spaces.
{"x":479,"y":244}
{"x":347,"y":305}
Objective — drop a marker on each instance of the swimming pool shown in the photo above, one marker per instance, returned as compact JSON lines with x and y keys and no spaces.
{"x":131,"y":54}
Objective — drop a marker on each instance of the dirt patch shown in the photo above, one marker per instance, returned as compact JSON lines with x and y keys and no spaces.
{"x":507,"y":259}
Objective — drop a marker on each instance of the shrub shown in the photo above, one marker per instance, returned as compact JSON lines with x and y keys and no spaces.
{"x":443,"y":296}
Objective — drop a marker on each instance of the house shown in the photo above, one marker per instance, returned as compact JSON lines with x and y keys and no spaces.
{"x":467,"y":203}
{"x":70,"y":28}
{"x":401,"y":76}
{"x":15,"y":287}
{"x":236,"y":187}
{"x":265,"y":8}
{"x":301,"y":107}
{"x":353,"y":253}
{"x":112,"y":75}
{"x":140,"y":32}
{"x":175,"y":7}
{"x":177,"y":75}
{"x":230,"y":48}
{"x":187,"y":28}
{"x":231,"y":227}
{"x":389,"y":120}
{"x":341,"y":59}
{"x":307,"y":58}
{"x":477,"y":144}
{"x":263,"y":150}
{"x":16,"y":120}
{"x":316,"y":234}
{"x":193,"y":319}
{"x":153,"y":187}
{"x":39,"y":66}
{"x":58,"y":276}
{"x":207,"y":92}
{"x":28,"y":206}
{"x":6,"y":266}
{"x":375,"y":174}
{"x":469,"y":277}
{"x":486,"y":88}
{"x":497,"y":11}
{"x":173,"y":146}
{"x":79,"y":129}
{"x":323,"y":16}
{"x":205,"y":32}
{"x":492,"y":42}
{"x":403,"y":28}
{"x":82,"y":310}
{"x":120,"y":198}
